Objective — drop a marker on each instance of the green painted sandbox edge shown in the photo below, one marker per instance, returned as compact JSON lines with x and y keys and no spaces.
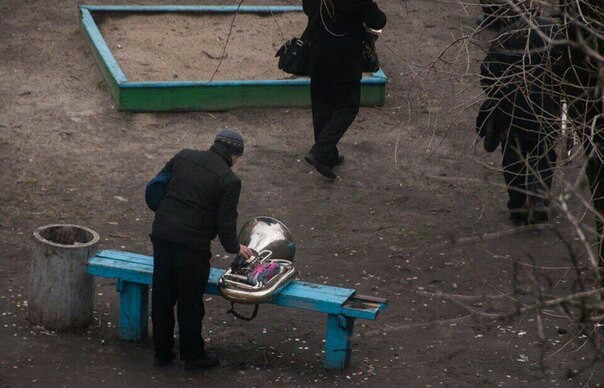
{"x":183,"y":98}
{"x":166,"y":96}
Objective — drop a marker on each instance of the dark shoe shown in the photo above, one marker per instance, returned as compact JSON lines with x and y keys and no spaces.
{"x":519,"y":217}
{"x":323,"y":169}
{"x":160,"y":361}
{"x":491,"y":140}
{"x":539,"y":213}
{"x":208,"y":360}
{"x":338,"y":161}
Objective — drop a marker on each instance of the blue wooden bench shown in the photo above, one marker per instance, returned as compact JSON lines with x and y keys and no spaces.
{"x":342,"y":305}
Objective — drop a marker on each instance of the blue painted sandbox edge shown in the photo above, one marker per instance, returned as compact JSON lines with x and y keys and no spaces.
{"x":99,"y":43}
{"x":192,"y":8}
{"x":377,"y":78}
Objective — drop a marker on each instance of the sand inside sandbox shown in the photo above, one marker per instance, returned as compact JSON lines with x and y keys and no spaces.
{"x":188,"y":47}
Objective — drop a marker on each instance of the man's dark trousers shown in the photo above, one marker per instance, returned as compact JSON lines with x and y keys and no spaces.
{"x":335,"y":104}
{"x":528,"y":169}
{"x":180,"y":275}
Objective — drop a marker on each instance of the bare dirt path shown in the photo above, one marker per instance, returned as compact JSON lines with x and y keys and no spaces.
{"x":390,"y":226}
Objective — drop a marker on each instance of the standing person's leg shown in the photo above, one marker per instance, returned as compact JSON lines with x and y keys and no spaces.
{"x":346,"y":97}
{"x":163,"y":298}
{"x":547,"y":166}
{"x":321,"y":103}
{"x":514,"y":173}
{"x":193,"y":269}
{"x":542,"y":161}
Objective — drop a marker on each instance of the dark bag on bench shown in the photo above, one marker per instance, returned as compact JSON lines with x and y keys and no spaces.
{"x":156,"y":189}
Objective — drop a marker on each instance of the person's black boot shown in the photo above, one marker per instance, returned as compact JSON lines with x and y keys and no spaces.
{"x":491,"y":138}
{"x":323,"y":169}
{"x":208,"y":360}
{"x":539,"y":212}
{"x":339,"y":160}
{"x":163,"y":361}
{"x":519,"y":217}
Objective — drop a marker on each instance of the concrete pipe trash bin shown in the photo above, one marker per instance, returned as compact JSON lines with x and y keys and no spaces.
{"x":61,"y":293}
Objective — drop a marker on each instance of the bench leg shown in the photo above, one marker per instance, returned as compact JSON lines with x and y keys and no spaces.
{"x":338,"y":345}
{"x":134,"y":305}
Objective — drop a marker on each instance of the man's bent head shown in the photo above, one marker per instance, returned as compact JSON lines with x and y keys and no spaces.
{"x":231,"y":140}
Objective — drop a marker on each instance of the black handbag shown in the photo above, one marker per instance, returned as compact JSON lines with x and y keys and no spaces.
{"x":371,"y":62}
{"x":294,"y":57}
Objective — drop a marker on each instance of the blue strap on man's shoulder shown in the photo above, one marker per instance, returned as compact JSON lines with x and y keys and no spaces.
{"x":156,"y":189}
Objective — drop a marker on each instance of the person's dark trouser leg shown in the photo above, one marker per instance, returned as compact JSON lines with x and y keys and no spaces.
{"x":163,"y":298}
{"x":321,"y":103}
{"x":193,"y":273}
{"x":547,"y":166}
{"x":514,"y":173}
{"x":540,"y":173}
{"x":543,"y":159}
{"x":346,"y":98}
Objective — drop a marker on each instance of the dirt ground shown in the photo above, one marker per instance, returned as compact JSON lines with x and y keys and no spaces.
{"x":399,"y":222}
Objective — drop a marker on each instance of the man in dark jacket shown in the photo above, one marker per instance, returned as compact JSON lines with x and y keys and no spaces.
{"x":335,"y":31}
{"x":521,"y":76}
{"x":200,"y":203}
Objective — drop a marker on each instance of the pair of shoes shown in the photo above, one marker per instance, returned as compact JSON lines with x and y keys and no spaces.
{"x":163,"y":361}
{"x":338,"y":161}
{"x":323,"y":169}
{"x":208,"y":360}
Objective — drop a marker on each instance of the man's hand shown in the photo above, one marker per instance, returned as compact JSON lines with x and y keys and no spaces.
{"x":245,"y":251}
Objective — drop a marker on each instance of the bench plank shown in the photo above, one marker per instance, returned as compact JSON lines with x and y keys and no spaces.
{"x":144,"y":259}
{"x":117,"y":270}
{"x":126,"y":257}
{"x":298,"y":294}
{"x":361,"y":306}
{"x":134,"y":274}
{"x":324,"y":289}
{"x":120,"y":265}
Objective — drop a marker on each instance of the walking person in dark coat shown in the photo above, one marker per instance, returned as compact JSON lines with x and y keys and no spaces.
{"x":335,"y":32}
{"x":521,"y":76}
{"x":200,"y":203}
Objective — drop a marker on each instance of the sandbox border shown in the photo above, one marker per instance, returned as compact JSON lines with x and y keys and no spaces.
{"x":161,"y":96}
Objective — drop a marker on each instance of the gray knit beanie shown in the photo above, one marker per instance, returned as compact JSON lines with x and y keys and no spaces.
{"x":231,"y":139}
